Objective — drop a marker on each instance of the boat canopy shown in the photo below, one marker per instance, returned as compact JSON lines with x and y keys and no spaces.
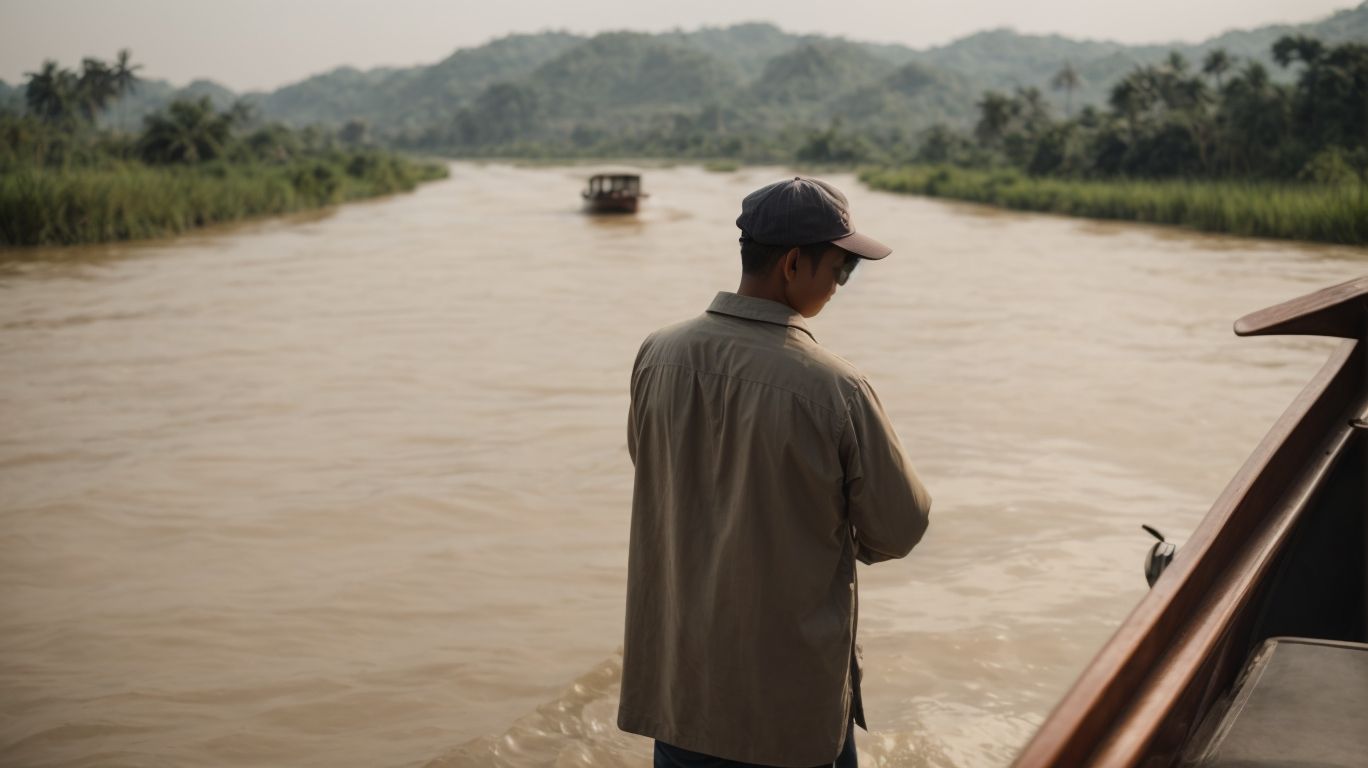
{"x":615,"y":181}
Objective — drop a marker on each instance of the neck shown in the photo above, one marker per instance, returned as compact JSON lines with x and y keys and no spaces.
{"x":762,"y":287}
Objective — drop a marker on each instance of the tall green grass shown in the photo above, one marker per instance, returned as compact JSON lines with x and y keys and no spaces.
{"x":130,"y":200}
{"x":1323,"y":213}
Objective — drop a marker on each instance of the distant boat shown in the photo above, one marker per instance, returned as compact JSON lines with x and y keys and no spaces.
{"x":1251,"y":648}
{"x":613,"y":191}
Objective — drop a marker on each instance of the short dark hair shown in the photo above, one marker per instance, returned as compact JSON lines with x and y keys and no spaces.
{"x":759,"y":258}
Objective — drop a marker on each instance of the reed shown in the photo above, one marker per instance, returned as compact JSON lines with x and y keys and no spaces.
{"x":130,"y":200}
{"x":1299,"y":211}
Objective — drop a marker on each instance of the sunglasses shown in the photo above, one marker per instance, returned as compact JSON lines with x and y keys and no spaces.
{"x":843,"y":272}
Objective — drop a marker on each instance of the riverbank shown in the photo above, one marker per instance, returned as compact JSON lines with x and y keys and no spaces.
{"x":1321,"y":213}
{"x":132,"y":200}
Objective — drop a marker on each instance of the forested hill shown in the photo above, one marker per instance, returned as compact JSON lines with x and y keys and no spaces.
{"x":1004,"y":59}
{"x":711,"y":92}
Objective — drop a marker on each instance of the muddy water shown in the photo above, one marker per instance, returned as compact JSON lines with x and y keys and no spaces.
{"x":352,"y":489}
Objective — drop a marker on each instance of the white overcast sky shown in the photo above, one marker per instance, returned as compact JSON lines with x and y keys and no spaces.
{"x":261,"y":44}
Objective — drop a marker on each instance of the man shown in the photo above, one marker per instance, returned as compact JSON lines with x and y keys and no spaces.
{"x":765,"y":467}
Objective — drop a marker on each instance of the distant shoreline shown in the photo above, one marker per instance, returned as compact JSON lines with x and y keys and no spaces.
{"x":1320,"y":213}
{"x":132,"y":201}
{"x":51,"y":207}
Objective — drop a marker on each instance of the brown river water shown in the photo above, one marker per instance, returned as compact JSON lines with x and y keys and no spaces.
{"x":352,"y":488}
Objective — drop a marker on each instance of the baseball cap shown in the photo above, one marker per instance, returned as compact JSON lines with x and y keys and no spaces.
{"x":803,"y":211}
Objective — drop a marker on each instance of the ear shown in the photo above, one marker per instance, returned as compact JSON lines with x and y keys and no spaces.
{"x":789,"y":264}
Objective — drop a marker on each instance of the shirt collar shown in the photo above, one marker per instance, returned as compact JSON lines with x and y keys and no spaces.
{"x":763,"y":310}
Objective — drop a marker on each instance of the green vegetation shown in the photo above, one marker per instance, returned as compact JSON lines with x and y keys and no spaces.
{"x":63,"y":180}
{"x":121,"y":201}
{"x":721,"y":166}
{"x":1225,"y":148}
{"x":1334,"y":213}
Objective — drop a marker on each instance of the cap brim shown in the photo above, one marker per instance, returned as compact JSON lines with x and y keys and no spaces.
{"x":863,"y":246}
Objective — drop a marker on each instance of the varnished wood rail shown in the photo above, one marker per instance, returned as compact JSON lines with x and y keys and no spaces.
{"x":1144,"y":694}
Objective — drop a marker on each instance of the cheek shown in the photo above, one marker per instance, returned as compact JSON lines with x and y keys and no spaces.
{"x":819,"y":295}
{"x":820,"y":291}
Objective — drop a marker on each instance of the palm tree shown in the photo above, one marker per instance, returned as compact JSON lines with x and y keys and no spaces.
{"x":51,"y":93}
{"x":124,"y":79}
{"x":1256,"y":76}
{"x":59,"y":95}
{"x":1217,"y":63}
{"x":95,"y":88}
{"x":188,"y":132}
{"x":1252,"y":121}
{"x":1290,"y":48}
{"x":996,"y":113}
{"x":1131,"y":97}
{"x":1033,"y":110}
{"x":1067,"y":80}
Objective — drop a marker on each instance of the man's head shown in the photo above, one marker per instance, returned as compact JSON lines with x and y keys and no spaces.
{"x":804,"y":277}
{"x":797,"y":243}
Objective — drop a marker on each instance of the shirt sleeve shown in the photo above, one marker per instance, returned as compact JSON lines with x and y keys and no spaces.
{"x":632,"y":404}
{"x":631,"y":431}
{"x":888,"y":506}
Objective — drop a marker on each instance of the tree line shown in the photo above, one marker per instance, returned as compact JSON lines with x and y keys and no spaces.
{"x":1222,"y":119}
{"x":58,"y":128}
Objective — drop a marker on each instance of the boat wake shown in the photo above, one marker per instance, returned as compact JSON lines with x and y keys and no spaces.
{"x":579,"y":728}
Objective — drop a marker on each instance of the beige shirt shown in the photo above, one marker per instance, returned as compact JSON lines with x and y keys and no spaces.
{"x":765,"y":466}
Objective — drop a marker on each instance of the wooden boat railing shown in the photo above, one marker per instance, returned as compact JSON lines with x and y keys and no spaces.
{"x":1145,"y":693}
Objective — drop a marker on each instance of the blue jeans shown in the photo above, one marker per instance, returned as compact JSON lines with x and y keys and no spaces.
{"x":667,"y":756}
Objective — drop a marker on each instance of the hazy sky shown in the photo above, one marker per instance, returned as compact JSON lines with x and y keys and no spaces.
{"x":256,"y":44}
